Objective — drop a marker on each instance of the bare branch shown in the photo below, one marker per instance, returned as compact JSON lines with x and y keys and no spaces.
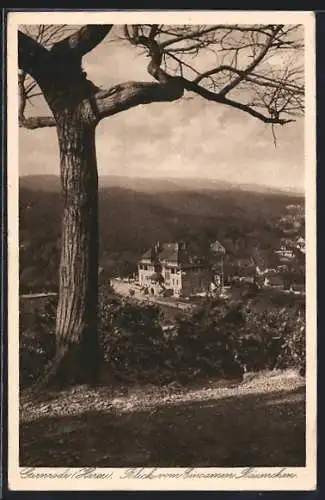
{"x":259,"y":79}
{"x":253,"y":64}
{"x":273,"y":134}
{"x":216,"y":97}
{"x":190,"y":34}
{"x":47,"y":34}
{"x":280,"y":89}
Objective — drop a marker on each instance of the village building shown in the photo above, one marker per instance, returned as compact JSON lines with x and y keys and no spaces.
{"x":291,"y":249}
{"x":300,"y":244}
{"x":172,"y":269}
{"x":285,"y":253}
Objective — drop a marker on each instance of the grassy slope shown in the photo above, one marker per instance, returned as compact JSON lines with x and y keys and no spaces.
{"x":258,"y":423}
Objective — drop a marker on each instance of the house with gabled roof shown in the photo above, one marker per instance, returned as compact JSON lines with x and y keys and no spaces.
{"x":172,"y":267}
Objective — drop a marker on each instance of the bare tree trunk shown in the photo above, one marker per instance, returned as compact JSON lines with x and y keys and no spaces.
{"x":78,"y":352}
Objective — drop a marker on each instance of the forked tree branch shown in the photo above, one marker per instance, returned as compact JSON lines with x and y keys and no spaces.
{"x":34,"y":59}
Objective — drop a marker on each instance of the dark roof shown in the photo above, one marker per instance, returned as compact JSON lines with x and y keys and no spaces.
{"x":147,"y":255}
{"x":170,"y":253}
{"x":179,"y":254}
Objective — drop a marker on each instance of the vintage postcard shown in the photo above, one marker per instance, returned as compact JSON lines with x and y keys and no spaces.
{"x":162,"y":250}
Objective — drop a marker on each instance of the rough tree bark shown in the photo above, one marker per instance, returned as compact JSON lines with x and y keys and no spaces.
{"x":78,"y":352}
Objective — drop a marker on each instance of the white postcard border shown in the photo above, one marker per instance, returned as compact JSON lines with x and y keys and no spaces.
{"x":303,"y":478}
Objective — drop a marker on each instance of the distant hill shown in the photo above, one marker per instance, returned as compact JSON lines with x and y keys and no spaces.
{"x":49,"y":183}
{"x":148,"y":185}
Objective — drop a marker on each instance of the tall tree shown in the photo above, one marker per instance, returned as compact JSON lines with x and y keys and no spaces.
{"x":247,"y":69}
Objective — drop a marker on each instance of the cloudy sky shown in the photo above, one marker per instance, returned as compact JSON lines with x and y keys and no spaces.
{"x":188,"y":138}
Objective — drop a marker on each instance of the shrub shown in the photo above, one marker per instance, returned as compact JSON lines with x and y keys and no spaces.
{"x":136,"y":346}
{"x":219,"y":339}
{"x":133,"y":341}
{"x":293,"y":343}
{"x":37,"y":342}
{"x":273,"y":339}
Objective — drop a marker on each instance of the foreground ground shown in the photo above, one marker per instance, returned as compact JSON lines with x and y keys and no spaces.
{"x":260,"y":422}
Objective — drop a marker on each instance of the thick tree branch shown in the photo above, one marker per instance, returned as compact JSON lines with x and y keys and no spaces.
{"x":31,"y":55}
{"x":82,"y":41}
{"x":34,"y":122}
{"x":130,"y":94}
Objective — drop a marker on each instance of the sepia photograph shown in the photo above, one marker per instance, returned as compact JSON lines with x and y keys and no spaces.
{"x":162,"y":276}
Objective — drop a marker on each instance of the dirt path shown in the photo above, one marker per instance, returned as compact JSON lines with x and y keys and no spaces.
{"x":261,"y":422}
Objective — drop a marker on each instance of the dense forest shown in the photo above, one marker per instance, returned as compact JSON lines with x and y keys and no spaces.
{"x":135,"y":213}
